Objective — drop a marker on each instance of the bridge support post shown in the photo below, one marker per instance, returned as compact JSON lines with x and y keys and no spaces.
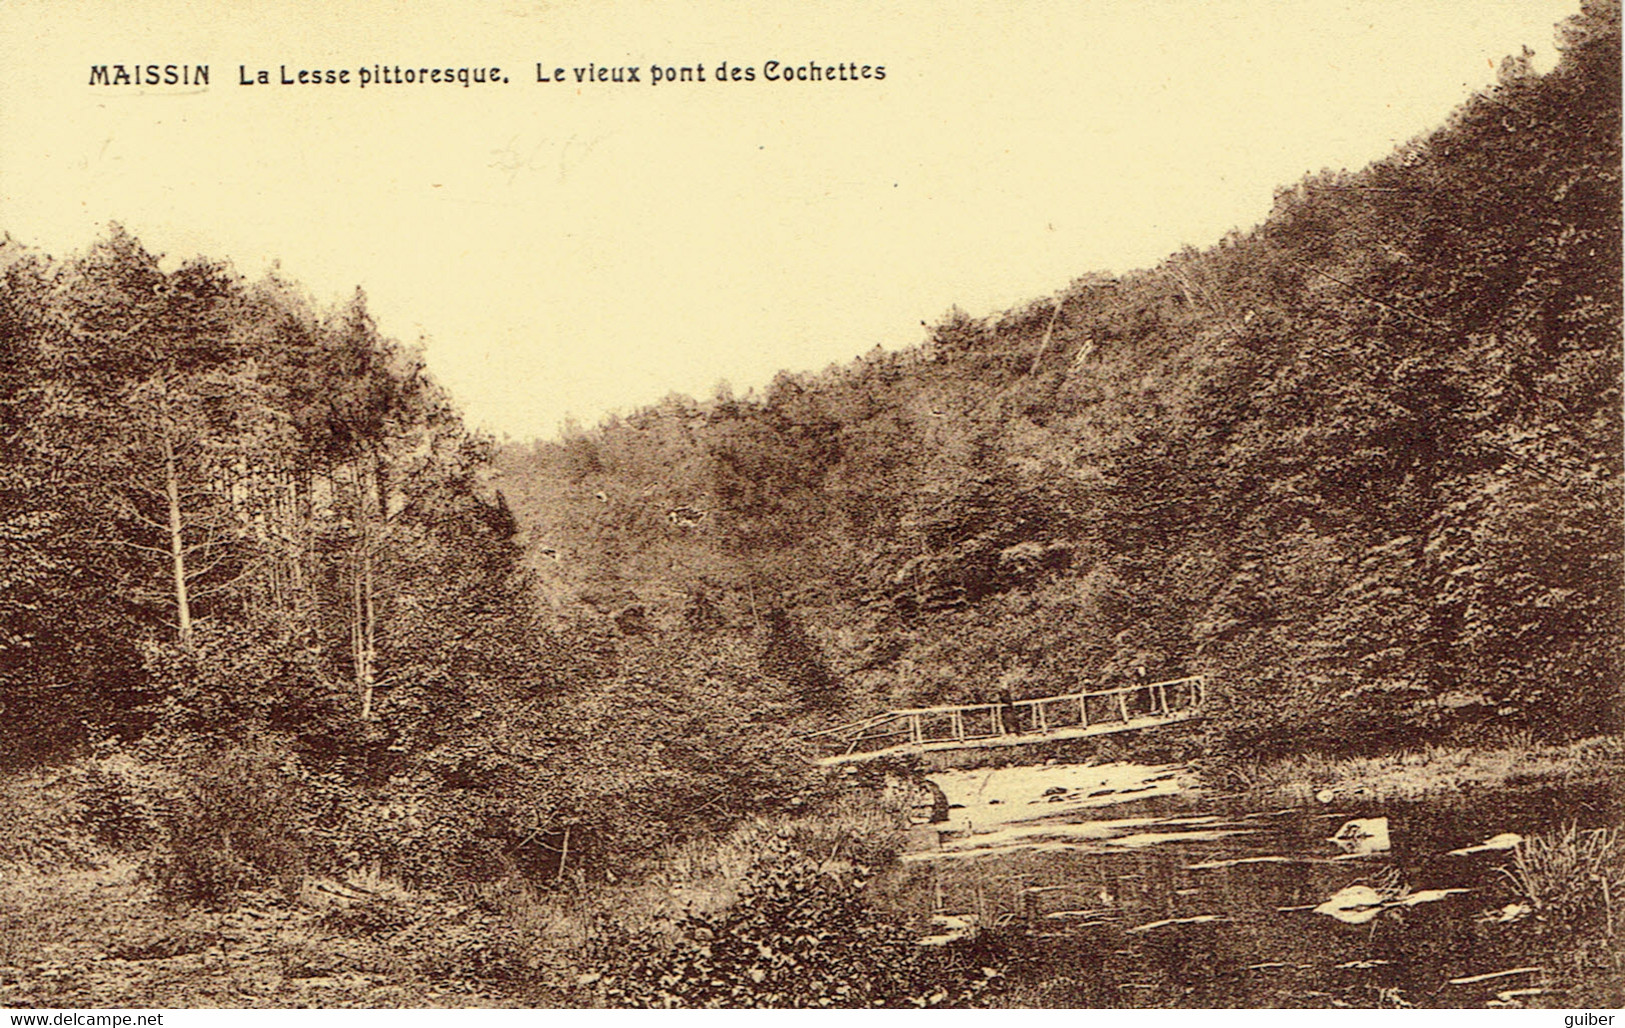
{"x":1122,"y":705}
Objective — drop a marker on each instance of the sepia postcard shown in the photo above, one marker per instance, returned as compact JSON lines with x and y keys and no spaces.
{"x":537,"y":504}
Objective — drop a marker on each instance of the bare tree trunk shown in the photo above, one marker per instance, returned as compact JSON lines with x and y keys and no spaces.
{"x":177,"y":551}
{"x":311,"y":556}
{"x":1043,"y":344}
{"x":372,"y":539}
{"x":363,"y":610}
{"x":358,"y":659}
{"x":369,"y":632}
{"x":296,"y":522}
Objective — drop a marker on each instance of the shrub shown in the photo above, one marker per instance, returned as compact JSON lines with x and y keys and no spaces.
{"x":799,"y":935}
{"x":72,"y":815}
{"x":40,"y":829}
{"x":240,"y":823}
{"x":121,"y":801}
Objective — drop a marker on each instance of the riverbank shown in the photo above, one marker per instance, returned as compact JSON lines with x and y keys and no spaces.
{"x":790,"y":910}
{"x":1430,"y":770}
{"x":776,"y":912}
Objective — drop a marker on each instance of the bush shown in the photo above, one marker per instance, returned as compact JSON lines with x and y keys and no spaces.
{"x":74,"y":815}
{"x":40,"y":830}
{"x":121,"y":801}
{"x":240,"y":823}
{"x":800,"y":934}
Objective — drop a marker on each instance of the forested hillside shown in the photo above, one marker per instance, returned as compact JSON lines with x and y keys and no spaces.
{"x":1360,"y":464}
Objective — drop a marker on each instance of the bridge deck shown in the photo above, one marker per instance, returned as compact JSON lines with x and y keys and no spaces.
{"x":1044,"y":719}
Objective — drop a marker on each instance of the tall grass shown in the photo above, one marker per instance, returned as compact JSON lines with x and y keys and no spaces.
{"x":1572,"y":878}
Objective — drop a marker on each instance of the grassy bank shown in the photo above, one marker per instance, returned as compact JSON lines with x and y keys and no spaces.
{"x":778,"y":911}
{"x":1431,"y":770}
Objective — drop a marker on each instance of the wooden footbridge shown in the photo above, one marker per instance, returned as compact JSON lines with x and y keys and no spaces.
{"x":1075,"y":715}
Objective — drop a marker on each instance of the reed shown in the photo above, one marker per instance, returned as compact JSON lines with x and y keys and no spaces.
{"x":1571,"y":877}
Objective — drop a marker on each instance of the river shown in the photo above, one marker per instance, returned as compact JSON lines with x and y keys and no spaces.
{"x":1124,"y":885}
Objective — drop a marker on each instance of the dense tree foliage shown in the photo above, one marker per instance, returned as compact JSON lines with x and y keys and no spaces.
{"x":1361,"y":464}
{"x":253,"y":543}
{"x":227,"y":514}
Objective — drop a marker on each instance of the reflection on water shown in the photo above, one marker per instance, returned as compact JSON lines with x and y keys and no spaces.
{"x":1362,"y":837}
{"x":1126,"y":887}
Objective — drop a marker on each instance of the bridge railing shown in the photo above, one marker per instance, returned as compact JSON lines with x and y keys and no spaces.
{"x":970,"y":723}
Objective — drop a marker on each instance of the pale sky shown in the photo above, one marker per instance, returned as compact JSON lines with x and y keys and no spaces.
{"x":567,"y":249}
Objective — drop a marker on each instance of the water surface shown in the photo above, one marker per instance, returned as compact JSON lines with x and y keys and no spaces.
{"x":1125,"y":886}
